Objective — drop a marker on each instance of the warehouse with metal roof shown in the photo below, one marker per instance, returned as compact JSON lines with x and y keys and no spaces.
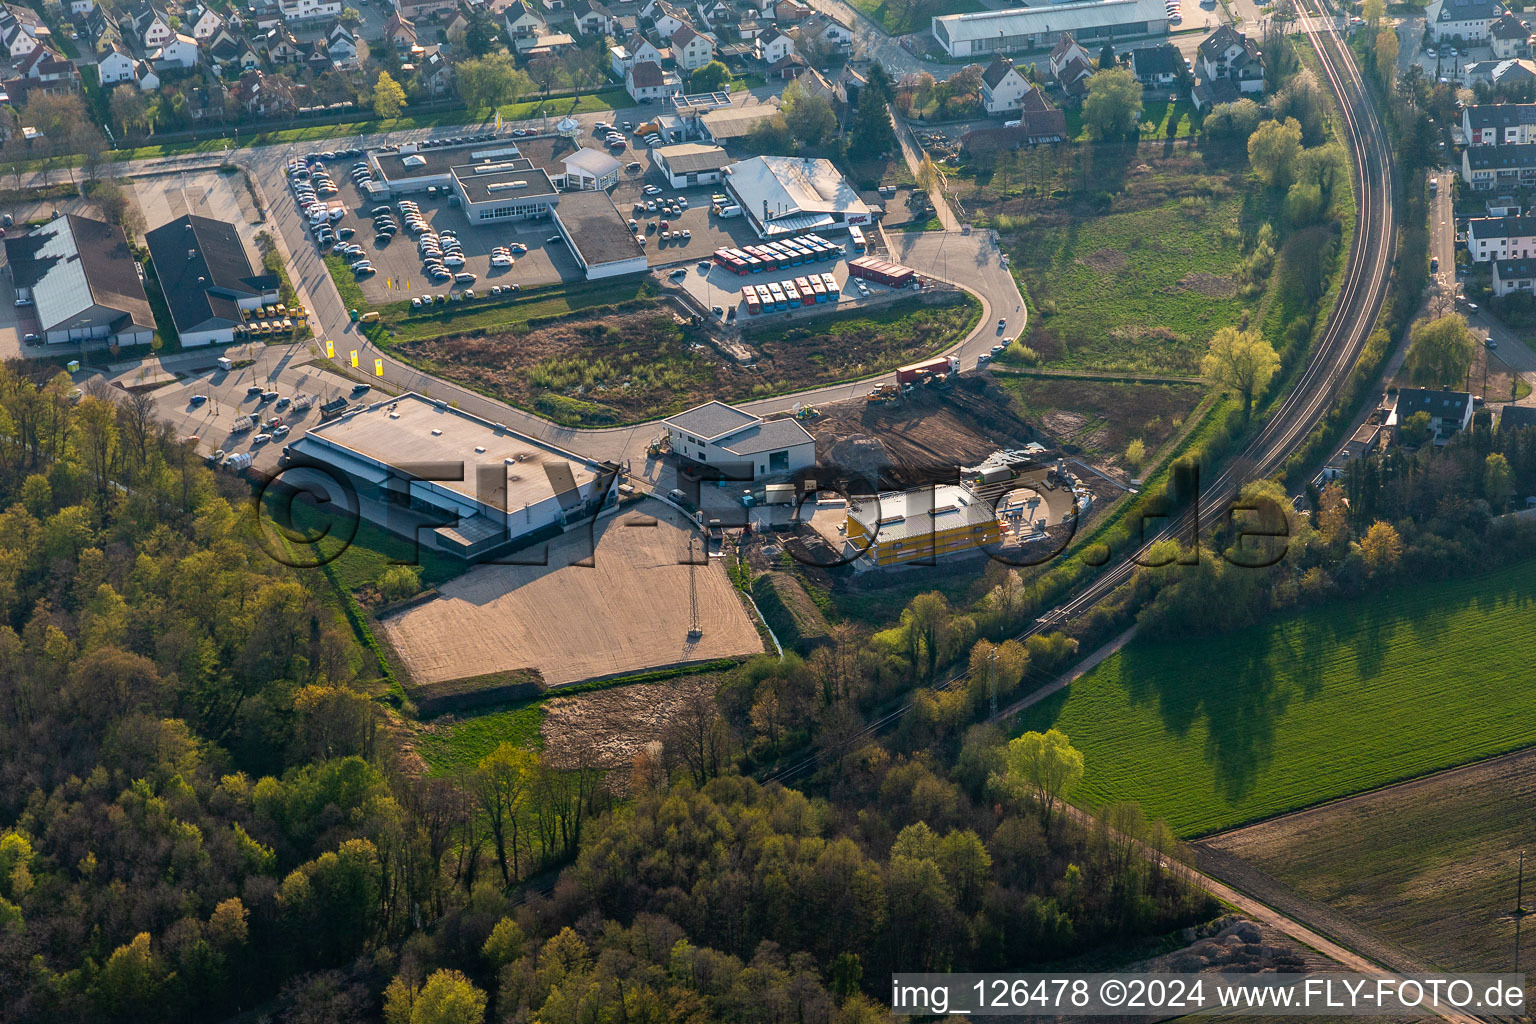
{"x":785,"y":195}
{"x":207,"y":278}
{"x":84,"y":282}
{"x":1021,"y":29}
{"x":599,"y":236}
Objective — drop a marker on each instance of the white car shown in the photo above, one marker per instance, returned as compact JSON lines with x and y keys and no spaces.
{"x":501,"y":261}
{"x":453,"y":260}
{"x":651,"y":190}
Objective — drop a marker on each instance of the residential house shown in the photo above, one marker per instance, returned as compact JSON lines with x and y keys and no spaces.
{"x":822,"y":34}
{"x":1501,"y":238}
{"x":456,"y":29}
{"x":16,"y":38}
{"x":1486,"y":167}
{"x":437,"y":73}
{"x":789,"y":12}
{"x":1229,"y":54}
{"x":263,"y":95}
{"x":282,"y":47}
{"x":400,"y":30}
{"x":206,"y":103}
{"x":786,"y":68}
{"x":552,"y":43}
{"x":147,"y":26}
{"x":716,"y":12}
{"x":1002,"y":87}
{"x":667,"y":19}
{"x":316,"y":57}
{"x":522,"y":21}
{"x":1510,"y":37}
{"x":231,"y":51}
{"x":636,"y":49}
{"x":116,"y":66}
{"x":1516,"y":73}
{"x":80,"y":8}
{"x":773,"y":46}
{"x":1039,"y":122}
{"x":593,"y":19}
{"x":416,"y":10}
{"x":1450,"y":412}
{"x":1207,"y":94}
{"x":52,"y":69}
{"x":1158,"y":67}
{"x":201,"y":22}
{"x":1461,"y":21}
{"x":1517,"y":417}
{"x":1517,"y":275}
{"x":101,"y":30}
{"x":145,"y":74}
{"x":1070,"y":65}
{"x":179,"y":53}
{"x":646,"y":81}
{"x":341,"y":43}
{"x":309,"y":10}
{"x":690,"y":49}
{"x":1492,"y":124}
{"x":848,"y":85}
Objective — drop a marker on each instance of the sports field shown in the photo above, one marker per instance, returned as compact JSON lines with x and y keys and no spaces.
{"x":1219,"y":731}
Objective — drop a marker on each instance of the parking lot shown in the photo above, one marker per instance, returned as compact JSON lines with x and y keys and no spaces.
{"x":228,"y":398}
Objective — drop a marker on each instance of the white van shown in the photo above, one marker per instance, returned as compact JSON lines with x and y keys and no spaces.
{"x":730,"y":211}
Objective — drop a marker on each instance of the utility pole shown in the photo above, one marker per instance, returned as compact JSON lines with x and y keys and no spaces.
{"x":1519,"y":912}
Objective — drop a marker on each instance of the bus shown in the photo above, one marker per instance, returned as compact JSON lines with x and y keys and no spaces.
{"x":765,"y":259}
{"x":730,"y":261}
{"x":772,"y":251}
{"x":749,"y":296}
{"x":792,"y":294}
{"x":780,"y":300}
{"x":764,"y":298}
{"x":831,"y":285}
{"x":856,"y":237}
{"x":818,"y":289}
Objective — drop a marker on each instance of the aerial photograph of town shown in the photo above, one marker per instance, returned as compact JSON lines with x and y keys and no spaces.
{"x":766,"y":511}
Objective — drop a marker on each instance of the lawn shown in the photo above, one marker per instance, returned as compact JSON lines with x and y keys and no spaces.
{"x":1316,"y":705}
{"x":1170,"y":119}
{"x":1430,"y":866}
{"x":1141,"y":290}
{"x":452,"y":746}
{"x":364,"y":554}
{"x":899,"y":17}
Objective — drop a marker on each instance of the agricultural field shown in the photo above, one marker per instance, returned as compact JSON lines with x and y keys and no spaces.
{"x":1312,"y":706}
{"x":1430,"y":865}
{"x":634,"y":366}
{"x":1100,"y":418}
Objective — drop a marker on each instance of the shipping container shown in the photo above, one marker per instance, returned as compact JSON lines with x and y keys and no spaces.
{"x":913,"y":372}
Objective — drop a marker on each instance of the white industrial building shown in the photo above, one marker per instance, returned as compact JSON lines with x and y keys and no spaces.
{"x":1021,"y":29}
{"x":690,"y":163}
{"x":785,"y":195}
{"x":465,"y":484}
{"x":742,"y":446}
{"x":600,"y":238}
{"x":207,"y":278}
{"x":83,"y":282}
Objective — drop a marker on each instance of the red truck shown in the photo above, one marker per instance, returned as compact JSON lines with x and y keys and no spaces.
{"x":914,"y":372}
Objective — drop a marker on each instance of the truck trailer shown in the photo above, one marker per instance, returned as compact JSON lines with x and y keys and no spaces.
{"x":914,"y":372}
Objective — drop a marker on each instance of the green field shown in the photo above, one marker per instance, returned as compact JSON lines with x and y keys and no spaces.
{"x":1214,"y":732}
{"x":1159,"y":278}
{"x":452,"y":747}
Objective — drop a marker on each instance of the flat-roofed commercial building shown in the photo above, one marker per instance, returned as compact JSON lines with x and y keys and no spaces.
{"x":471,"y":486}
{"x":84,"y":282}
{"x":207,"y":278}
{"x":494,"y":181}
{"x":599,"y":236}
{"x":924,"y":523}
{"x":1021,"y":29}
{"x":691,"y":163}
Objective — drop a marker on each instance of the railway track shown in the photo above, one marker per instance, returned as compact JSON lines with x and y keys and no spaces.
{"x":1344,"y":337}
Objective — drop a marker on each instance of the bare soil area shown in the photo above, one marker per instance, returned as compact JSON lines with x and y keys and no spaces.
{"x":625,"y":610}
{"x":1099,"y":418}
{"x":608,"y":727}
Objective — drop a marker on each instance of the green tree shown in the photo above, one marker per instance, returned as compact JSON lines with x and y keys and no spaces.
{"x":871,"y":132}
{"x":1386,"y":58}
{"x":1233,"y":121}
{"x":712,"y":77}
{"x":388,"y":97}
{"x":1112,"y":107}
{"x":1272,"y":151}
{"x":1381,"y":548}
{"x":1136,"y":453}
{"x":1044,"y":766}
{"x":449,"y":997}
{"x":503,"y":782}
{"x":1440,"y":351}
{"x":1241,"y":362}
{"x":1373,"y":11}
{"x":1414,"y":430}
{"x":810,"y":119}
{"x":1498,"y":480}
{"x":491,"y":82}
{"x":481,"y":37}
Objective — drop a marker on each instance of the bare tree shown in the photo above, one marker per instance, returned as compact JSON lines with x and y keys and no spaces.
{"x":698,"y":737}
